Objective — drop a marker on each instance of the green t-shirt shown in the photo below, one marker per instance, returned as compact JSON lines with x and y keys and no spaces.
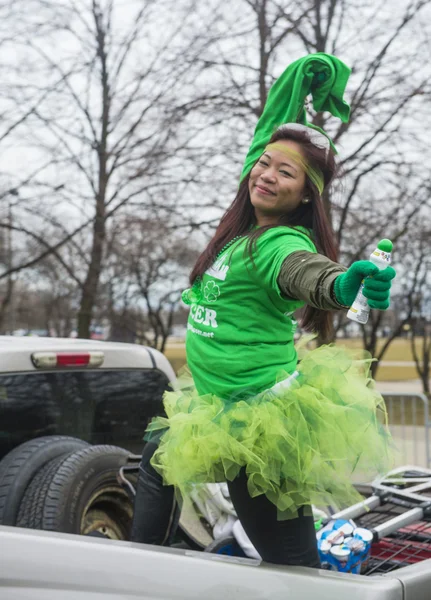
{"x":240,"y":333}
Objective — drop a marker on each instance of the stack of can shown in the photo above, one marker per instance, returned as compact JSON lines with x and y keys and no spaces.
{"x":343,"y":547}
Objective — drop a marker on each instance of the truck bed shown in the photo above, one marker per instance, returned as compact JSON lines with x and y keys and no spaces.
{"x":36,"y":565}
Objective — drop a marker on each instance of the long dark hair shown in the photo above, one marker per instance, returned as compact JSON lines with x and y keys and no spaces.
{"x":240,"y":217}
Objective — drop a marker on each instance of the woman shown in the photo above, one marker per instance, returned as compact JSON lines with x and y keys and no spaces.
{"x":283,"y":449}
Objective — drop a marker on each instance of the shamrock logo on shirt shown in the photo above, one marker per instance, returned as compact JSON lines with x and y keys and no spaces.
{"x":211,"y":291}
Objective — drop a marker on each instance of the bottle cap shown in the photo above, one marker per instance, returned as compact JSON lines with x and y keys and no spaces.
{"x":335,"y":537}
{"x":385,"y":245}
{"x":356,"y":545}
{"x":324,"y":546}
{"x":364,"y":534}
{"x":347,"y":529}
{"x":340,"y":552}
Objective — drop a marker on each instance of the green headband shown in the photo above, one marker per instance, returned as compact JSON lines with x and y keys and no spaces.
{"x":315,"y":175}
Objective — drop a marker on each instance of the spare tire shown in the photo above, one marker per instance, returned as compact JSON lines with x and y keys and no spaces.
{"x":31,"y":508}
{"x":18,"y":468}
{"x":82,"y":494}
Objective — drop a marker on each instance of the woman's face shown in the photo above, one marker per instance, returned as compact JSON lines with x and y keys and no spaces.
{"x":276,"y":184}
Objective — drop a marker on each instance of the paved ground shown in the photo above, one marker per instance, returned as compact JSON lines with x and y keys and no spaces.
{"x":397,"y":363}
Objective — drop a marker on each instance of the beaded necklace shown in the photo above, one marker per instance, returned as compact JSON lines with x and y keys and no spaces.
{"x":229,"y":244}
{"x":193,"y":295}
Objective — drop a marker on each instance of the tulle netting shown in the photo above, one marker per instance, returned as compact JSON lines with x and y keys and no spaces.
{"x":300,"y":448}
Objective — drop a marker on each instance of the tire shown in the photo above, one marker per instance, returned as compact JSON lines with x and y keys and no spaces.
{"x":81,"y":494}
{"x":18,"y":468}
{"x":31,"y":508}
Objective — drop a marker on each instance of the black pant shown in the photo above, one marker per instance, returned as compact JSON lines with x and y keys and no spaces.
{"x":156,"y":513}
{"x":290,"y":542}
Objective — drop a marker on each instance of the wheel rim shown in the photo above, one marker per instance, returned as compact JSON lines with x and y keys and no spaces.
{"x":109,"y":512}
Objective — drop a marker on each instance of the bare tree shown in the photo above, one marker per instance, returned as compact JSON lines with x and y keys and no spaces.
{"x":422,"y":326}
{"x":112,"y":122}
{"x":409,"y":299}
{"x":390,"y":82}
{"x":150,"y":110}
{"x":13,"y":115}
{"x":384,"y":185}
{"x":148,"y":267}
{"x":420,"y":317}
{"x":6,"y":259}
{"x":59,"y":297}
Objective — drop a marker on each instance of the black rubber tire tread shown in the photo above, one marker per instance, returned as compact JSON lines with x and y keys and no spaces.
{"x":31,"y":509}
{"x":19,"y":466}
{"x":62,"y":497}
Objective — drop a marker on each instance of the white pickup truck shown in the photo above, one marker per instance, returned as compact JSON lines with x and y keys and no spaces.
{"x":71,"y":412}
{"x":59,"y":396}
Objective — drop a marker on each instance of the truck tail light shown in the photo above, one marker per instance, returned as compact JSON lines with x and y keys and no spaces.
{"x":51,"y":360}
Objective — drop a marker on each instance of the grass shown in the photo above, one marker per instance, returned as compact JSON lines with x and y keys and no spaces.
{"x":176,"y":354}
{"x":399,"y":350}
{"x":396,"y":373}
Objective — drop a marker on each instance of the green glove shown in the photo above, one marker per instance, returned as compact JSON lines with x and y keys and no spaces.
{"x":377,"y":284}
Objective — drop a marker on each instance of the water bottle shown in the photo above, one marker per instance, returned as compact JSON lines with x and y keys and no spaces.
{"x":381,"y":257}
{"x":365,"y":537}
{"x":344,"y":548}
{"x":324,"y":547}
{"x":333,"y":553}
{"x":341,"y":555}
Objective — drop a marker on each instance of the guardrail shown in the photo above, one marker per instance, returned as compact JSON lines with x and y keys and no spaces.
{"x":409,"y":422}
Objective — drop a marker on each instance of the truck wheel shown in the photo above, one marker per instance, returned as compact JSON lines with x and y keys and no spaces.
{"x":31,"y":508}
{"x":18,"y":468}
{"x":82,"y":495}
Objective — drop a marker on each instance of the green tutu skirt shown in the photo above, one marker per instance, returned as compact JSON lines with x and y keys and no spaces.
{"x":299,"y":448}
